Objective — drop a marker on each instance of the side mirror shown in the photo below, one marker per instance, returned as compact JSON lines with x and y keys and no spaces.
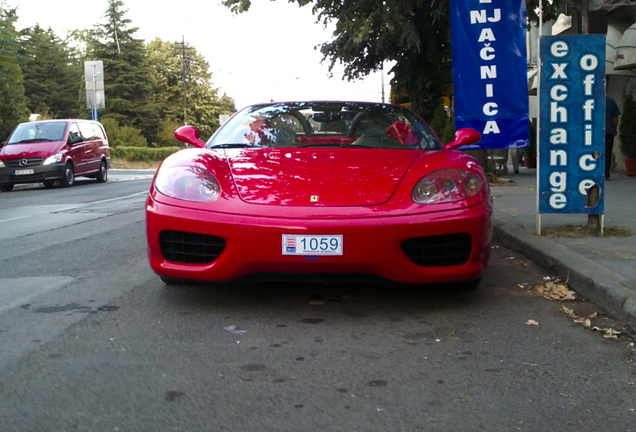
{"x":189,"y":135}
{"x":464,"y":137}
{"x":75,"y":140}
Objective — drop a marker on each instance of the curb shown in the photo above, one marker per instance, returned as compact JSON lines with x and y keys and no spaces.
{"x":590,"y":279}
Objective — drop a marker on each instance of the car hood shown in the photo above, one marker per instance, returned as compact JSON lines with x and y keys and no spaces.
{"x":318,"y":176}
{"x":41,"y":149}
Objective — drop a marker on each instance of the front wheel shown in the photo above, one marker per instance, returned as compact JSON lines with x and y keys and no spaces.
{"x":102,"y":175}
{"x":174,"y":281}
{"x":69,"y":176}
{"x":471,"y":285}
{"x":6,"y":188}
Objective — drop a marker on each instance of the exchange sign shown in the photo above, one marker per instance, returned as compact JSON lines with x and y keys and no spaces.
{"x":572,"y":123}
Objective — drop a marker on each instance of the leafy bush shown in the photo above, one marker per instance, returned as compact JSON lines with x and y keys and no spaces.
{"x":123,"y":136}
{"x":165,"y":136}
{"x":142,"y":154}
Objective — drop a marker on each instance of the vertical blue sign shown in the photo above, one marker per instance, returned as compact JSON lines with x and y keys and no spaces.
{"x":572,"y":126}
{"x":490,"y":71}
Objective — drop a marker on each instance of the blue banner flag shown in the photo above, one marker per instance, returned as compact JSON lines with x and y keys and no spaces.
{"x":572,"y":126}
{"x":490,"y":72}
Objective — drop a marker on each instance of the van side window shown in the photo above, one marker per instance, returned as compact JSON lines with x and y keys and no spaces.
{"x":99,"y":133}
{"x":73,"y":131}
{"x":87,"y":131}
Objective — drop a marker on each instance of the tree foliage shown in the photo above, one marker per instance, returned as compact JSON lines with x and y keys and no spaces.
{"x":415,"y":34}
{"x":126,"y":72}
{"x":203,"y":103}
{"x":13,"y":108}
{"x":52,"y":76}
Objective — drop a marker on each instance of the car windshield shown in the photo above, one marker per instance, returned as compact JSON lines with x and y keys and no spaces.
{"x":38,"y":132}
{"x":326,"y":124}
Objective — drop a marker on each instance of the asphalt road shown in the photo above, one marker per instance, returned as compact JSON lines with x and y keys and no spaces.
{"x":91,"y":340}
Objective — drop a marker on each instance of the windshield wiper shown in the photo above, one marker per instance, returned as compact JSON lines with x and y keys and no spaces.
{"x":335,"y":145}
{"x":31,"y":140}
{"x":233,"y":146}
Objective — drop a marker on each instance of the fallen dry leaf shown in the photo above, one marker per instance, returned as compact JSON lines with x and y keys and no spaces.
{"x":569,"y":312}
{"x":608,"y":332}
{"x":532,"y":322}
{"x":569,"y":296}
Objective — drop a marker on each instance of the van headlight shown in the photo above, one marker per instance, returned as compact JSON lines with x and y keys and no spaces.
{"x":1,"y":164}
{"x":53,"y":159}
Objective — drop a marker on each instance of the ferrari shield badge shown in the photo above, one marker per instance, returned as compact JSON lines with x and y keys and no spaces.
{"x":314,"y":198}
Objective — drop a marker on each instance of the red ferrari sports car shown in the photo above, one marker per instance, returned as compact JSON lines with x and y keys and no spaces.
{"x":328,"y":188}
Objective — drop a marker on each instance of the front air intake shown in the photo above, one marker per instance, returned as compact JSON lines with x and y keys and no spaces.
{"x":438,"y":251}
{"x":190,"y":248}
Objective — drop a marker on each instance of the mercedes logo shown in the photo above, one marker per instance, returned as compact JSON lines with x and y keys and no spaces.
{"x":23,"y":162}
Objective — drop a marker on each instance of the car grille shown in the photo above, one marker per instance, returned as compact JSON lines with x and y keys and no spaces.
{"x":29,"y":178}
{"x":15,"y":163}
{"x":189,"y":248}
{"x":438,"y":251}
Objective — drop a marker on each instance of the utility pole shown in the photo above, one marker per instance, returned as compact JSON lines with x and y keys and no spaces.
{"x":185,"y":86}
{"x":382,"y":76}
{"x":181,"y":50}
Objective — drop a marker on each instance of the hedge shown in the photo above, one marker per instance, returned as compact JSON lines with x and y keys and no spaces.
{"x":142,"y":154}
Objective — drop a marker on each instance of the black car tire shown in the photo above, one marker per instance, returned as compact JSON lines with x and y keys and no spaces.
{"x":102,"y":175}
{"x":471,"y":285}
{"x":174,"y":281}
{"x":6,"y":188}
{"x":69,"y":176}
{"x":48,"y":184}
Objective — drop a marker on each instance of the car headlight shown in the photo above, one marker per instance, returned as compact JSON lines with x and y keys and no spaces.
{"x":52,"y":159}
{"x":1,"y":164}
{"x":188,"y":184}
{"x":446,"y":186}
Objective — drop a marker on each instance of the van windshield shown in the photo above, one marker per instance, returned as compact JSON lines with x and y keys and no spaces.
{"x":38,"y":132}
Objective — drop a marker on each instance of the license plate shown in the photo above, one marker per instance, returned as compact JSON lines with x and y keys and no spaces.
{"x":312,"y":245}
{"x":23,"y":172}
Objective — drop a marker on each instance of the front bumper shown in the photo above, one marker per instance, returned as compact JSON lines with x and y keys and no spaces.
{"x":371,"y":245}
{"x":40,"y":173}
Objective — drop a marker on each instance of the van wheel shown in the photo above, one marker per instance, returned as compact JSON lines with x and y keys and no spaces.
{"x":48,"y":184}
{"x":69,"y":176}
{"x":102,"y":175}
{"x":6,"y":188}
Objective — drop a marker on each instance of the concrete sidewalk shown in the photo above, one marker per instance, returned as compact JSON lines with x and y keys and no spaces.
{"x":601,"y":269}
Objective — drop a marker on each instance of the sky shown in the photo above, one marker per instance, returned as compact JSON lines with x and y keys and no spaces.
{"x":264,"y":54}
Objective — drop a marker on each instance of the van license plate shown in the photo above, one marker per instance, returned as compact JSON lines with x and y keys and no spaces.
{"x":23,"y":172}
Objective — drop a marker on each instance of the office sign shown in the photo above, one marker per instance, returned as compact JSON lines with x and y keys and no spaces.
{"x":490,"y":69}
{"x":572,"y":123}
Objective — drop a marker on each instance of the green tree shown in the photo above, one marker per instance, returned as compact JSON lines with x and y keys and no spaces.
{"x":13,"y":108}
{"x":127,"y":86}
{"x":204,"y":105}
{"x":52,"y":76}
